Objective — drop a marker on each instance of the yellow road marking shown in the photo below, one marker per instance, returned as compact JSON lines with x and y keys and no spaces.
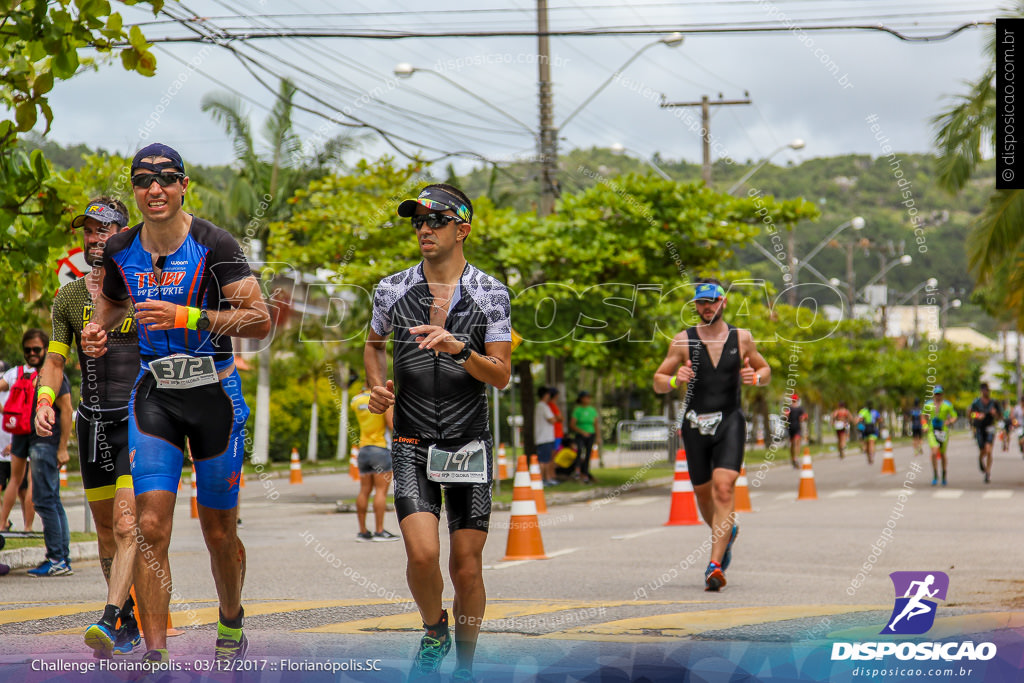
{"x":682,"y":624}
{"x":944,"y":627}
{"x":13,"y":616}
{"x":496,"y":610}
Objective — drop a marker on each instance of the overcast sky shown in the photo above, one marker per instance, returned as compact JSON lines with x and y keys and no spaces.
{"x":787,"y":75}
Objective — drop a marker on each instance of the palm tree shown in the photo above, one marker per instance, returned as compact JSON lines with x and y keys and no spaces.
{"x":995,"y":246}
{"x":259,"y":195}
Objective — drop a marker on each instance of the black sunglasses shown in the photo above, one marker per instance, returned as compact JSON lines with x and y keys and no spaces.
{"x":144,"y":180}
{"x":32,"y":349}
{"x":434,"y":220}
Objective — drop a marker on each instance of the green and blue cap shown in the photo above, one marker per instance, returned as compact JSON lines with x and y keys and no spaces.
{"x":436,"y":199}
{"x":708,"y":291}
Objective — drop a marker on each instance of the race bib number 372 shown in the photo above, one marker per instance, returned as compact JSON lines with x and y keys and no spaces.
{"x":181,"y":371}
{"x":465,"y":466}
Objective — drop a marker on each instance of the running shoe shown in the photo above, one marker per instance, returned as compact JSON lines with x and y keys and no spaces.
{"x":463,"y":676}
{"x":231,"y":644}
{"x":943,"y":481}
{"x":128,"y":638}
{"x":155,"y":660}
{"x":364,"y":536}
{"x":727,"y":557}
{"x":987,"y":478}
{"x":714,"y":578}
{"x":434,"y":645}
{"x":48,"y":568}
{"x":935,"y":481}
{"x":101,"y":638}
{"x":4,"y":569}
{"x":384,"y":536}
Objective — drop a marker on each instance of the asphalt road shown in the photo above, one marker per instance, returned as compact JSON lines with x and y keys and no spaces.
{"x":618,"y":584}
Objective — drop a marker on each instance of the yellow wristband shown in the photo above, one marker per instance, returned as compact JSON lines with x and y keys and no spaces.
{"x":193,"y":317}
{"x":186,"y":317}
{"x":46,"y":394}
{"x":673,"y":382}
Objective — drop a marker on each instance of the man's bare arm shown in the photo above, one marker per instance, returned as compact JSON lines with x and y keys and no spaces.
{"x":678,"y":352}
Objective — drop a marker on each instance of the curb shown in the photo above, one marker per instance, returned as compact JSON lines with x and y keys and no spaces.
{"x":21,"y":558}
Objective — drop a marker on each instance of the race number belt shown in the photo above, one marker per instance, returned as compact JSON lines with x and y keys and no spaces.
{"x":705,"y":424}
{"x":941,"y":435}
{"x":465,"y":466}
{"x":991,"y":429}
{"x":181,"y":371}
{"x":839,"y":425}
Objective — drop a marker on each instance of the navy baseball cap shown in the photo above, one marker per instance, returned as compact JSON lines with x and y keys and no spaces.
{"x":157,"y":149}
{"x":436,"y":199}
{"x":104,"y":213}
{"x":708,"y":291}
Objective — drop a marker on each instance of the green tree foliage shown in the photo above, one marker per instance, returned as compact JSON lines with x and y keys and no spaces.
{"x":39,"y":46}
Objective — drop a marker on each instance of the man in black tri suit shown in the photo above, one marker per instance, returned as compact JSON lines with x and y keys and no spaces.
{"x":102,"y":423}
{"x":452,"y":337}
{"x":713,"y":359}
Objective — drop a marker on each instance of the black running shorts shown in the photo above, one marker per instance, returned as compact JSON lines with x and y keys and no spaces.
{"x":722,"y":449}
{"x":468,"y":506}
{"x":103,"y":452}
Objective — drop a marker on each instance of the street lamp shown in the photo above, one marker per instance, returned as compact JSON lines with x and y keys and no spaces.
{"x":619,"y":148}
{"x":795,"y":144}
{"x":904,"y":260}
{"x":406,"y":70}
{"x":671,"y":40}
{"x":857,"y":223}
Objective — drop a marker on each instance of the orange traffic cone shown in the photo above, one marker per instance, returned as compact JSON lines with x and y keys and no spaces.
{"x":502,"y":463}
{"x":595,"y":455}
{"x":760,"y":437}
{"x":524,"y":541}
{"x":742,"y":496}
{"x":296,"y":468}
{"x":537,"y":485}
{"x":241,"y":477}
{"x":888,"y":463}
{"x":684,"y":504}
{"x":63,"y":476}
{"x":195,"y":495}
{"x":171,"y":631}
{"x":353,"y":463}
{"x":808,"y":491}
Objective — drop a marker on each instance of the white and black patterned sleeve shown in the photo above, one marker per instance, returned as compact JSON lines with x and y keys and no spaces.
{"x":384,"y":298}
{"x":498,"y":309}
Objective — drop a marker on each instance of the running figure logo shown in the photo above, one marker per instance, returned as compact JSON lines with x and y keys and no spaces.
{"x":913,"y":612}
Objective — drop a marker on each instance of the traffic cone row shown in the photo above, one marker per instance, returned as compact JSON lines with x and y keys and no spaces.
{"x":742,"y":495}
{"x":524,"y":539}
{"x":502,"y":463}
{"x":888,"y":463}
{"x":195,"y":495}
{"x":684,"y":504}
{"x":63,"y":476}
{"x":537,"y":485}
{"x":353,"y":463}
{"x":807,"y":490}
{"x":296,"y":468}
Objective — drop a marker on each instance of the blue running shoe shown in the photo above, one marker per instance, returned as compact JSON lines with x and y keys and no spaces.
{"x":434,"y":645}
{"x":128,"y":638}
{"x":101,"y":639}
{"x":714,"y":578}
{"x":727,"y":557}
{"x":48,"y":568}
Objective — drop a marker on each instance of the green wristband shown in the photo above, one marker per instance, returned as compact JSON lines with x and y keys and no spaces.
{"x":673,"y":382}
{"x":47,"y":392}
{"x":193,"y":317}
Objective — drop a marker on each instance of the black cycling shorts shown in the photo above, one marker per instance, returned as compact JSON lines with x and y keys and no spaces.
{"x":5,"y":476}
{"x":722,"y":449}
{"x":468,"y":506}
{"x":103,"y":452}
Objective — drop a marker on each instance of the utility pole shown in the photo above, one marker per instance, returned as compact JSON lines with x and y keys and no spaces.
{"x":705,"y":115}
{"x":548,"y":139}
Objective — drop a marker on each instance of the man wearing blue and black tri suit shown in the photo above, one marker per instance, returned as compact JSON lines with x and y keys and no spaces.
{"x":193,"y":290}
{"x":714,"y":359}
{"x":452,"y":337}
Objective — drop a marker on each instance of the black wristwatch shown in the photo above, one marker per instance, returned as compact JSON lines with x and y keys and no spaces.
{"x":462,"y":356}
{"x":203,"y":323}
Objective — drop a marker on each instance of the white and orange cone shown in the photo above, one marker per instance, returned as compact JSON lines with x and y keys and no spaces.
{"x":537,"y":484}
{"x":524,"y":539}
{"x":63,"y":476}
{"x":296,"y":468}
{"x":807,"y":490}
{"x":742,"y":496}
{"x":888,"y":462}
{"x":684,"y":503}
{"x":195,"y":495}
{"x":502,"y":463}
{"x":353,"y":463}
